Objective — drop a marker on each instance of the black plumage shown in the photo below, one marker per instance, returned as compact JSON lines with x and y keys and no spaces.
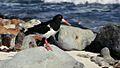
{"x":44,"y":27}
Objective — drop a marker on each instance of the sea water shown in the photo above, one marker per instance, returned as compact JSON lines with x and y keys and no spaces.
{"x":92,"y":14}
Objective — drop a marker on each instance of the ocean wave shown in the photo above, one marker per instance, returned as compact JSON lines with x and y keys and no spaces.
{"x":85,"y":1}
{"x":69,"y":1}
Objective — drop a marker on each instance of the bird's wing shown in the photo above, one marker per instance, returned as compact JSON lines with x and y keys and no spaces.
{"x":37,"y":29}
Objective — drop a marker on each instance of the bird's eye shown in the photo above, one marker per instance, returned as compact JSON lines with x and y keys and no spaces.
{"x":60,"y":17}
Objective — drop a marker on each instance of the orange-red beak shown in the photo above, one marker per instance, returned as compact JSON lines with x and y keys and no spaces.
{"x":63,"y":20}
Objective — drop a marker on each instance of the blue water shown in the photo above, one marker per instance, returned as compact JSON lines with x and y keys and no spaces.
{"x":92,"y":16}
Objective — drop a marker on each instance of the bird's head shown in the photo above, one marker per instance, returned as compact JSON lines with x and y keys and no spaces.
{"x":60,"y":18}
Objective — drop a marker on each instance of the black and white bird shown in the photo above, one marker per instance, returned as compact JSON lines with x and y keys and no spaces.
{"x":47,"y":29}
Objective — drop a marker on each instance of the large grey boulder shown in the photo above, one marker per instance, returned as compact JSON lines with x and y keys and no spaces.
{"x":39,"y":57}
{"x":71,"y":38}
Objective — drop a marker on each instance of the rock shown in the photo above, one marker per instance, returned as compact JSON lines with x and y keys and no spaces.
{"x":6,"y":39}
{"x":86,"y":54}
{"x":19,"y":40}
{"x":7,"y":42}
{"x":105,"y":53}
{"x":73,"y":38}
{"x":4,"y":48}
{"x":109,"y":36}
{"x":31,"y":23}
{"x":106,"y":60}
{"x":39,"y":57}
{"x":3,"y":30}
{"x":117,"y":65}
{"x":0,"y":40}
{"x":12,"y":26}
{"x":28,"y":42}
{"x":100,"y":61}
{"x":107,"y":57}
{"x":78,"y":55}
{"x":13,"y":23}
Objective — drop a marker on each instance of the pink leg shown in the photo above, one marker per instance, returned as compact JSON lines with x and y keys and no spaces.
{"x":48,"y":47}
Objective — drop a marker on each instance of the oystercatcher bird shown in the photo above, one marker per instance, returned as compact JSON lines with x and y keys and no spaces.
{"x":47,"y":29}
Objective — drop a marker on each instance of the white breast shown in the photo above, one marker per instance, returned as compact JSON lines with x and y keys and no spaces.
{"x":49,"y":33}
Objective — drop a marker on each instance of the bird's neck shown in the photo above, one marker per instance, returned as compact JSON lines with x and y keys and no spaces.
{"x":55,"y":25}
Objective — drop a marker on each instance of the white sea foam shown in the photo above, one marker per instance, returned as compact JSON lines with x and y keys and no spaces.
{"x":84,"y":1}
{"x":70,"y":1}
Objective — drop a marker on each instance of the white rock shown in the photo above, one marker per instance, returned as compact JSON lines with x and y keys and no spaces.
{"x":31,"y":23}
{"x":75,"y":38}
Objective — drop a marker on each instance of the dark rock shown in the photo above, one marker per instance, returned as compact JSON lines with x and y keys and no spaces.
{"x":109,"y":36}
{"x":6,"y":39}
{"x":0,"y":40}
{"x":19,"y":40}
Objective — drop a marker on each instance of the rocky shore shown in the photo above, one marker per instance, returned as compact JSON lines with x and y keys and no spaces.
{"x":73,"y":47}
